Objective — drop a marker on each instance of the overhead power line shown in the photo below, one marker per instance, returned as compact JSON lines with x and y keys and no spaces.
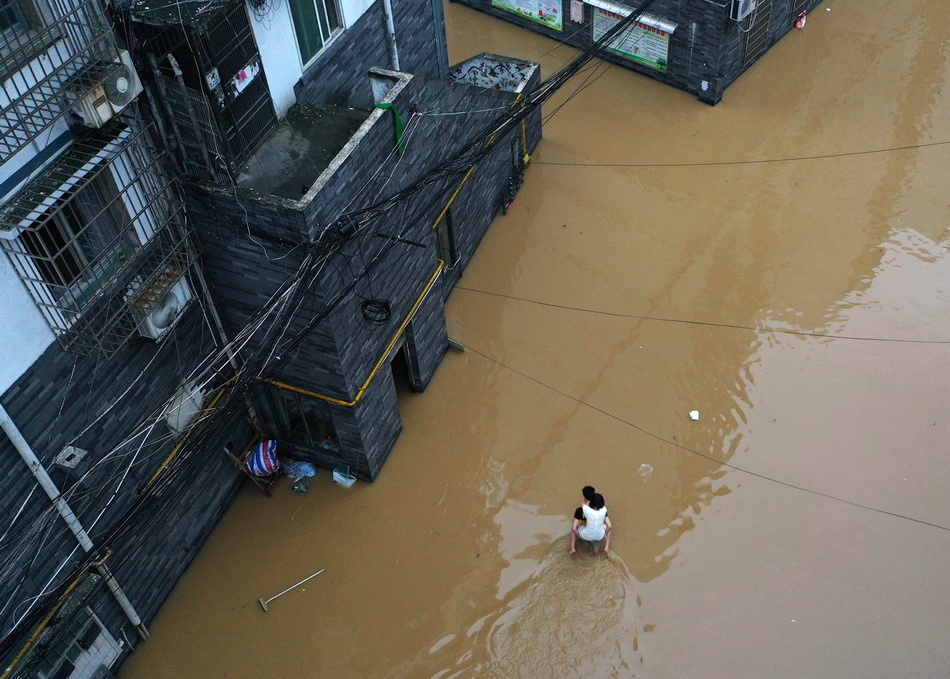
{"x":711,"y":324}
{"x":760,"y":161}
{"x":710,"y":458}
{"x":269,"y":358}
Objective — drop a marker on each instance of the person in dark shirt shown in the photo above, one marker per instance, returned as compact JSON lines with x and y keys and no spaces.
{"x":596,"y":529}
{"x":588,"y":492}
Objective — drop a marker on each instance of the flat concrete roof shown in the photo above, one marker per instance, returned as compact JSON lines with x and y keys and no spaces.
{"x":299,"y":149}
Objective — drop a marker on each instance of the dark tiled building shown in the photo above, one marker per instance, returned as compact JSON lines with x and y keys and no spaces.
{"x":699,"y":46}
{"x":199,"y":253}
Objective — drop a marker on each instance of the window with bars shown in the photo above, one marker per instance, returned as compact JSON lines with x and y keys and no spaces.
{"x":303,"y":419}
{"x":12,"y":20}
{"x":315,"y":22}
{"x":16,"y":18}
{"x":445,"y":235}
{"x":21,"y":22}
{"x":82,"y":649}
{"x":79,"y":245}
{"x":98,"y":238}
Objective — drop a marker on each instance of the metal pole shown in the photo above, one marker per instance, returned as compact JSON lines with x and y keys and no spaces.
{"x":391,"y":34}
{"x":49,"y":487}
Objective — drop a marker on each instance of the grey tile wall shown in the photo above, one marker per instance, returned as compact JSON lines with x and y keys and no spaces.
{"x":707,"y":46}
{"x":391,"y":258}
{"x":335,"y":75}
{"x":96,"y":404}
{"x":251,"y":246}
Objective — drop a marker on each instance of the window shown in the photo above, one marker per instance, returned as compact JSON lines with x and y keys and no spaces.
{"x":315,"y":22}
{"x":304,"y":420}
{"x":83,"y":648}
{"x":20,"y":21}
{"x":79,"y":245}
{"x":12,"y":20}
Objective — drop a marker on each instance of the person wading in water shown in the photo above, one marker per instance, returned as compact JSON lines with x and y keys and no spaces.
{"x":597,"y":527}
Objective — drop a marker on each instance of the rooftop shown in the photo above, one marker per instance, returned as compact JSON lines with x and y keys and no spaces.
{"x":493,"y":71}
{"x":299,"y":149}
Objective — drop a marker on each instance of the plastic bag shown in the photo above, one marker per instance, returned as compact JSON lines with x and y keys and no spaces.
{"x":300,"y":470}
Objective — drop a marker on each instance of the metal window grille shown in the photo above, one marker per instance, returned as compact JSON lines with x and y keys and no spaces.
{"x":83,"y":646}
{"x":73,"y":36}
{"x":218,"y":125}
{"x":248,"y":115}
{"x":304,"y":420}
{"x":757,"y":37}
{"x":75,"y":642}
{"x":12,"y":20}
{"x":445,"y":236}
{"x":100,"y":238}
{"x":798,"y":6}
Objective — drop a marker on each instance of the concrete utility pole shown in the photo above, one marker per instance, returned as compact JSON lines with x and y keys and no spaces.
{"x":46,"y":483}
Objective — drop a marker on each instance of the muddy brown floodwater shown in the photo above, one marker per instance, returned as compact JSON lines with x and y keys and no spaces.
{"x":604,"y":307}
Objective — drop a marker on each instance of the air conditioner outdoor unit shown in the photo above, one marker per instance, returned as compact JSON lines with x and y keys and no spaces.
{"x":116,"y":86}
{"x":165,"y":311}
{"x":742,"y":8}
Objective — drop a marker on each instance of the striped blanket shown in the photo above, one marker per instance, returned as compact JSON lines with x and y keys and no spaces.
{"x":263,"y":461}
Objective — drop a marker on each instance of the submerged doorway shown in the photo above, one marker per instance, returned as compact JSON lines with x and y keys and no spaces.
{"x":401,"y":376}
{"x":403,"y":361}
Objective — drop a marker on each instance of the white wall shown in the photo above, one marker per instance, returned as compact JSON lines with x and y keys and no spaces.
{"x":277,"y":43}
{"x":353,"y":10}
{"x":24,"y":335}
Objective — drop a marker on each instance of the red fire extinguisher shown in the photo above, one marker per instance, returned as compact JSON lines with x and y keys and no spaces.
{"x":800,"y":21}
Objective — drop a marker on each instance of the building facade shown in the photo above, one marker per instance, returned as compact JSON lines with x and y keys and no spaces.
{"x":699,"y":46}
{"x":221,"y":222}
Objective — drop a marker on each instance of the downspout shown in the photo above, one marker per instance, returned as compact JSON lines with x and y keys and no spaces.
{"x":391,"y":34}
{"x":438,"y":24}
{"x":47,"y":484}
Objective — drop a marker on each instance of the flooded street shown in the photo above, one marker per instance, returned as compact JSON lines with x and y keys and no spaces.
{"x":754,"y":261}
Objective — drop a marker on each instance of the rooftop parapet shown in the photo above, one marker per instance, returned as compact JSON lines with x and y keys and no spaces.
{"x":494,"y":72}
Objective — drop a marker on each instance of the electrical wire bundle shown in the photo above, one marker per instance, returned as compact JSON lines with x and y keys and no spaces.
{"x":272,"y":335}
{"x":481,"y":144}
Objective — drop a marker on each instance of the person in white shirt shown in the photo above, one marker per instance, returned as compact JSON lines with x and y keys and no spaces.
{"x":597,"y":528}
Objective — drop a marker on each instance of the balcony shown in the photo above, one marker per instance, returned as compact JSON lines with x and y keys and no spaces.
{"x":98,"y":238}
{"x":42,"y":49}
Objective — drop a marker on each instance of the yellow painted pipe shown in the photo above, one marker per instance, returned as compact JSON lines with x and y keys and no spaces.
{"x":379,"y":363}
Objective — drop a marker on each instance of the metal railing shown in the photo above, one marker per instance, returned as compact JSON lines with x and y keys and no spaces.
{"x":46,"y":45}
{"x":100,"y":238}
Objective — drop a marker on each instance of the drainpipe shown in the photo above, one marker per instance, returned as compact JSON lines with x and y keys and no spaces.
{"x":391,"y":34}
{"x":47,"y":484}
